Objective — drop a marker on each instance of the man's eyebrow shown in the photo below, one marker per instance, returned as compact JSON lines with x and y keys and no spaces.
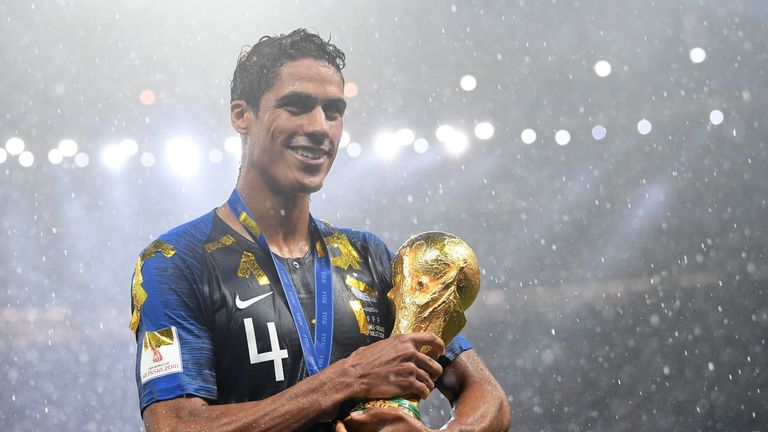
{"x":295,"y":96}
{"x":303,"y":98}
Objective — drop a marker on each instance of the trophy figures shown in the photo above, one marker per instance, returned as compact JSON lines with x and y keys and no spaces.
{"x":435,"y":278}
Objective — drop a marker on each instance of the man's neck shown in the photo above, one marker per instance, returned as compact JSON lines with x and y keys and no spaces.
{"x":283,"y":219}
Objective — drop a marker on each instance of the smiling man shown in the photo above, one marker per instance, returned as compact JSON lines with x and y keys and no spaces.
{"x":257,"y":316}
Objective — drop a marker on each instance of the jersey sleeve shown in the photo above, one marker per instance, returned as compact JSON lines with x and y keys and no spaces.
{"x":174,"y":355}
{"x":457,"y":346}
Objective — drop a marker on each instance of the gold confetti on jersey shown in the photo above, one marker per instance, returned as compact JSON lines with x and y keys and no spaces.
{"x":361,"y":286}
{"x":348,"y":255}
{"x":248,"y":267}
{"x":138,"y":294}
{"x":156,"y":339}
{"x":223,"y":242}
{"x":362,"y":321}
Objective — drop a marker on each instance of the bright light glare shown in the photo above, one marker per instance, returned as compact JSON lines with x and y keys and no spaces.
{"x":716,"y":117}
{"x":234,"y":145}
{"x":26,"y":159}
{"x":14,"y":146}
{"x":354,"y":150}
{"x":421,"y":145}
{"x":457,"y":143}
{"x":351,"y":89}
{"x":183,"y":156}
{"x":3,"y":155}
{"x":113,"y":157}
{"x":215,"y":156}
{"x":344,"y":139}
{"x":82,"y":160}
{"x":55,"y":156}
{"x":562,"y":137}
{"x":405,"y":136}
{"x":697,"y":55}
{"x":484,"y":130}
{"x":147,"y":97}
{"x":444,"y":132}
{"x":468,"y":83}
{"x":67,"y":148}
{"x":386,"y":145}
{"x":147,"y":159}
{"x":599,"y":132}
{"x":528,"y":136}
{"x":129,"y":147}
{"x":644,"y":127}
{"x":602,"y":68}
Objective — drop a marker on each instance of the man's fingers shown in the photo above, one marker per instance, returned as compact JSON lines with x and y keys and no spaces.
{"x":427,"y":380}
{"x":397,"y":366}
{"x":340,"y":427}
{"x":428,"y":365}
{"x":428,"y":339}
{"x":422,"y":387}
{"x":382,"y":419}
{"x":373,"y":415}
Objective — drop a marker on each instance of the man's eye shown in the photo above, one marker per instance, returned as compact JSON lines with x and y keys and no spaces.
{"x":298,"y":109}
{"x":333,"y":112}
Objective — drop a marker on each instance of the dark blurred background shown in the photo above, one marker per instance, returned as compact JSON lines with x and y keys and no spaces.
{"x":606,"y":160}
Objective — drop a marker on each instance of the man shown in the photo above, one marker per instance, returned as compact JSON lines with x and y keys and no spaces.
{"x":257,"y":316}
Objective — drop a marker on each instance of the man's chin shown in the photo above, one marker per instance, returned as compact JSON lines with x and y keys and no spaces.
{"x":311,"y":188}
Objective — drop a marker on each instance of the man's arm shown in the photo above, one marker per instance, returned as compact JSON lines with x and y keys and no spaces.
{"x":479,"y":403}
{"x":385,"y":369}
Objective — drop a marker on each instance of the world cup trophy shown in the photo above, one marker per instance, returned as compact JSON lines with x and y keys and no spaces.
{"x":435,"y":278}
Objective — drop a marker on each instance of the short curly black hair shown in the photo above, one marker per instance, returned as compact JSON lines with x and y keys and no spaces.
{"x":259,"y":65}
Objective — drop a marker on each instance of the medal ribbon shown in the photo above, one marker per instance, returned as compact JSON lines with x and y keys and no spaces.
{"x":317,"y":355}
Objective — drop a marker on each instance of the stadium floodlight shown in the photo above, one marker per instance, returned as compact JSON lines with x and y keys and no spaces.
{"x":183,"y":156}
{"x":345,"y":139}
{"x":26,"y":159}
{"x":14,"y":146}
{"x":113,"y":157}
{"x":484,"y":130}
{"x":67,"y":148}
{"x":234,"y":145}
{"x":562,"y":137}
{"x":129,"y":147}
{"x":386,"y":145}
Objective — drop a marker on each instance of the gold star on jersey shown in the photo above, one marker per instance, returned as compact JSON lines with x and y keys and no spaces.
{"x":348,"y":255}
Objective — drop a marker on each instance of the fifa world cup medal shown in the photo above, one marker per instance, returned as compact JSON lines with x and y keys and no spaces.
{"x":435,"y":278}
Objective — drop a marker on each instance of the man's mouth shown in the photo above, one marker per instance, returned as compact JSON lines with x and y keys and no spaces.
{"x":309,"y":153}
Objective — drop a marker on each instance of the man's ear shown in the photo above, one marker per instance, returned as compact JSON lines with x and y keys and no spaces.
{"x":240,"y":115}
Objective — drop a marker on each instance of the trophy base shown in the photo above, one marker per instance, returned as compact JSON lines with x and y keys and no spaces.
{"x":409,"y":407}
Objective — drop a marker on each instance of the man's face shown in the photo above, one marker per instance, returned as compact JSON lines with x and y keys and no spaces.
{"x":293,"y":141}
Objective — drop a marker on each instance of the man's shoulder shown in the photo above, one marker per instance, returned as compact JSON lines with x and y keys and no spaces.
{"x":188,"y":238}
{"x":358,"y":238}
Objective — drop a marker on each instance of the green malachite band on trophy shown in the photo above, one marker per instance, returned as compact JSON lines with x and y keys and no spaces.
{"x":404,"y":404}
{"x":410,"y":406}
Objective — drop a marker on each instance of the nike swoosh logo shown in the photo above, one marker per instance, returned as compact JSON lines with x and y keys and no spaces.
{"x":244,"y":304}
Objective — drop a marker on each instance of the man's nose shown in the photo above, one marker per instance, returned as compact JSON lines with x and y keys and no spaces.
{"x":316,"y":125}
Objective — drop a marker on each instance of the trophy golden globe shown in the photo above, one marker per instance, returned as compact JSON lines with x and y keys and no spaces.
{"x":435,"y":278}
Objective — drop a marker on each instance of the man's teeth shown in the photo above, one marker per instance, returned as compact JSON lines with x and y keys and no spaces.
{"x":309,"y":153}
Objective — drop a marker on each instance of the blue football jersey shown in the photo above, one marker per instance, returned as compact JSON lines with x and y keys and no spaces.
{"x":211,"y":318}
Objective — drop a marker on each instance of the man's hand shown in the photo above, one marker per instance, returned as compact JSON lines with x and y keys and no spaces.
{"x":380,"y":420}
{"x":396,"y":367}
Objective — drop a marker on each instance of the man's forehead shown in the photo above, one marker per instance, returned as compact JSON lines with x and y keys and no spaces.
{"x":308,"y":73}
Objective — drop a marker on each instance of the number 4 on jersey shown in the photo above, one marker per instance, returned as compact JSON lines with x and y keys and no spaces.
{"x":275,"y":354}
